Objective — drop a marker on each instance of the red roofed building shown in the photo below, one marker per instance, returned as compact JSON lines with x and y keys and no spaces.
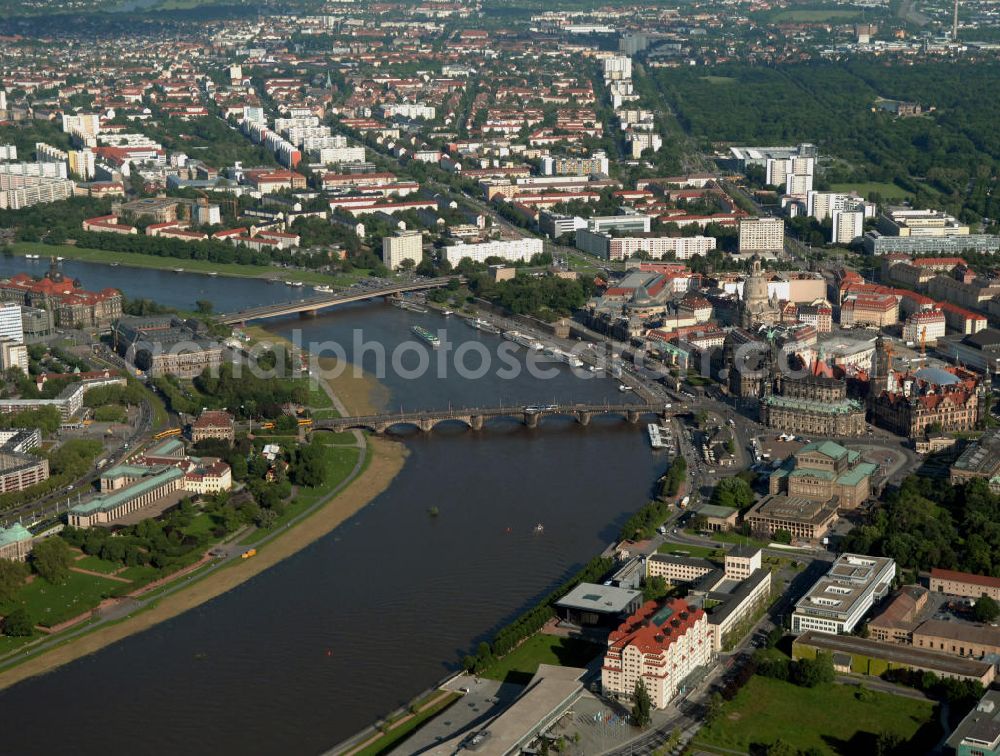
{"x":661,"y":645}
{"x":72,"y":305}
{"x":964,"y":584}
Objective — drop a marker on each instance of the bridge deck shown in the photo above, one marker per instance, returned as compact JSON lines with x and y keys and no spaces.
{"x":467,"y":415}
{"x":311,"y":304}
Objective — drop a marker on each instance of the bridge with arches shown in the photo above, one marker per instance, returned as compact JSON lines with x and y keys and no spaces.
{"x":475,"y":418}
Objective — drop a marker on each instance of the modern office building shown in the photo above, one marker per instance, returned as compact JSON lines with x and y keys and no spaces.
{"x":592,"y":605}
{"x":837,"y":602}
{"x":401,"y":246}
{"x":979,"y":733}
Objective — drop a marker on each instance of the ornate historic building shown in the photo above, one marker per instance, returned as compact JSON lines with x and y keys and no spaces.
{"x":825,"y":471}
{"x":73,"y":306}
{"x":911,"y":404}
{"x":756,"y":307}
{"x":813,"y":404}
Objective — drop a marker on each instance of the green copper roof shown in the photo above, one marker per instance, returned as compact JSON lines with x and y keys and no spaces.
{"x":107,"y":501}
{"x":829,"y":448}
{"x":855,"y":476}
{"x":15,"y":533}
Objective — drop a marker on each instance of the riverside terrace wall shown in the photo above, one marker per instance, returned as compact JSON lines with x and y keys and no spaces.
{"x":360,"y":737}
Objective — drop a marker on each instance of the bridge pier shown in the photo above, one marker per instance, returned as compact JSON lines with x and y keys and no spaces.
{"x":583,"y":417}
{"x":307,"y":314}
{"x":531,"y":419}
{"x":476,"y":422}
{"x":426,"y":424}
{"x":380,"y":428}
{"x":632,"y":416}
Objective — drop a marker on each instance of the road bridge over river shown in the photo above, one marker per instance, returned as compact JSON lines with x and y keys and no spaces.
{"x":311,"y":305}
{"x":477,"y":417}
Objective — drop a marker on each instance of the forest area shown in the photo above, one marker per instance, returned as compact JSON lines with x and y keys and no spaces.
{"x":947,"y":158}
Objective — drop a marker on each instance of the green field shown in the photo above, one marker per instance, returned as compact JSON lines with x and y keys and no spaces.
{"x":885,"y":189}
{"x":521,"y":664}
{"x":49,"y":604}
{"x":193,"y":266}
{"x":829,"y":719}
{"x":96,"y":564}
{"x":719,"y":79}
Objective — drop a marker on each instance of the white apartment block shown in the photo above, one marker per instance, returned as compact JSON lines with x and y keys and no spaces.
{"x":207,"y":215}
{"x":85,"y":124}
{"x":609,"y":247}
{"x":297,"y":135}
{"x":821,"y":205}
{"x":848,"y":225}
{"x":40,"y":170}
{"x":13,"y":355}
{"x":640,"y":141}
{"x":798,"y":184}
{"x":8,"y":151}
{"x":516,"y":250}
{"x":18,"y":191}
{"x":617,"y":68}
{"x":575,"y":166}
{"x":777,"y":170}
{"x":839,"y":600}
{"x":408,"y":110}
{"x":11,"y":325}
{"x":762,"y":234}
{"x":333,"y":155}
{"x":281,"y":125}
{"x":400,"y":246}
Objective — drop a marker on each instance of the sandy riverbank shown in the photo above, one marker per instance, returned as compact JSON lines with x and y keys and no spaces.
{"x":355,"y":394}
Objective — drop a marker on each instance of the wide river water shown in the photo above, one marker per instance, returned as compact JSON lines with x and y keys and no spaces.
{"x":321,"y":645}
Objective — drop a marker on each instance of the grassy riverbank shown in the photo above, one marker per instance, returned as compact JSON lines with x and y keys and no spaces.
{"x":359,"y":478}
{"x":170,"y":263}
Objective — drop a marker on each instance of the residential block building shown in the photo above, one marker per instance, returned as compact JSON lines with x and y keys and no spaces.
{"x":660,"y":645}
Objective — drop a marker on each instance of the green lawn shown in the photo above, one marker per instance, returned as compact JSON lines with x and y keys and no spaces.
{"x":96,"y":564}
{"x":194,"y":266}
{"x":521,"y":664}
{"x":139,"y":575}
{"x":49,"y":604}
{"x":719,"y":79}
{"x":202,"y":524}
{"x":396,"y":736}
{"x":829,"y":719}
{"x":318,"y":398}
{"x":737,"y":538}
{"x":886,"y":189}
